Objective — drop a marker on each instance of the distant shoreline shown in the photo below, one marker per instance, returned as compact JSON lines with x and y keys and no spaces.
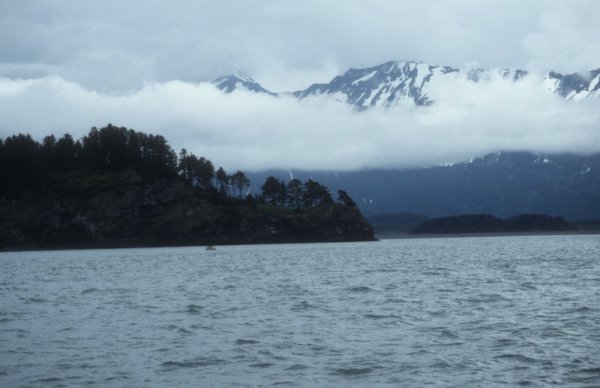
{"x":494,"y":234}
{"x":191,"y":245}
{"x":401,"y":236}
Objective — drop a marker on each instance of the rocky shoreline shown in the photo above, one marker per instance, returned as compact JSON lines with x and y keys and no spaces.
{"x":120,"y":210}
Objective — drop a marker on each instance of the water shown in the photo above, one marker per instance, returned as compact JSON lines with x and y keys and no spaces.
{"x":498,"y":311}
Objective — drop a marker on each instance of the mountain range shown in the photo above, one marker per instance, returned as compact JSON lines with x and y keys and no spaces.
{"x":397,"y":81}
{"x":503,"y":184}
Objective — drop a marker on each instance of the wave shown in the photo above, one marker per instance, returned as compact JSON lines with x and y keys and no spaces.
{"x":197,"y":363}
{"x":360,"y":289}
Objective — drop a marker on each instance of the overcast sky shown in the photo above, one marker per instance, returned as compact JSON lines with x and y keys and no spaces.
{"x":67,"y":65}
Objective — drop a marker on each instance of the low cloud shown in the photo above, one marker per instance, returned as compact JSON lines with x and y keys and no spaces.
{"x":251,"y":131}
{"x":112,"y":45}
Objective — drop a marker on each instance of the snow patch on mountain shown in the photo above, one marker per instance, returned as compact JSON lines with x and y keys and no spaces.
{"x":381,"y":85}
{"x":575,"y":86}
{"x":365,"y":78}
{"x":230,"y":83}
{"x":418,"y":83}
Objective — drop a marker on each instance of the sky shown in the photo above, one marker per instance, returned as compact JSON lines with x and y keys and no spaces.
{"x":68,"y":65}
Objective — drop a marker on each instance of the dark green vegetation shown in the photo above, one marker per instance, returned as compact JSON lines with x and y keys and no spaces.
{"x":485,"y":223}
{"x":117,"y":187}
{"x":402,"y":224}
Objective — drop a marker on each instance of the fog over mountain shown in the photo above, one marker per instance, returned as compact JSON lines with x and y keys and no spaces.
{"x":445,"y":97}
{"x":396,"y":82}
{"x":454,"y":120}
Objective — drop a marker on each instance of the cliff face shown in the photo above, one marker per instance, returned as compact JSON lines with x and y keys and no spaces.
{"x":122,"y":210}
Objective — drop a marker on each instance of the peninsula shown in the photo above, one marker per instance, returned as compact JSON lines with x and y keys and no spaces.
{"x":117,"y":187}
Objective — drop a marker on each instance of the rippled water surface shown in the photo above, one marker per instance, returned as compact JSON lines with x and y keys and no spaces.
{"x":449,"y":311}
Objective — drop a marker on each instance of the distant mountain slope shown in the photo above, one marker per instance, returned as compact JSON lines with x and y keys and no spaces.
{"x":501,"y":184}
{"x":383,"y":84}
{"x":396,"y":81}
{"x":574,"y":86}
{"x":239,"y":81}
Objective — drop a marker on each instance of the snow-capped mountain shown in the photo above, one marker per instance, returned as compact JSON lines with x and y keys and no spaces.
{"x":574,"y":86}
{"x":239,"y":81}
{"x":398,"y":81}
{"x":383,"y":84}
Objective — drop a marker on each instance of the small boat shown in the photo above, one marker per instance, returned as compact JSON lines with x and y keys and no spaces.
{"x":211,"y":248}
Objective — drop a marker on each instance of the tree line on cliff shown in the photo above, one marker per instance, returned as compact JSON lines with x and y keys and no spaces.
{"x":25,"y":163}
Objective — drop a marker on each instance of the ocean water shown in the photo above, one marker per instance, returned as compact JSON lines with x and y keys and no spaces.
{"x":487,"y":311}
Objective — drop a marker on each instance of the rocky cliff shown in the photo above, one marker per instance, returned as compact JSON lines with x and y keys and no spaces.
{"x":88,"y":210}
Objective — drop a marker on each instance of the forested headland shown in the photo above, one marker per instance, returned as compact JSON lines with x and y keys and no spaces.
{"x":120,"y":187}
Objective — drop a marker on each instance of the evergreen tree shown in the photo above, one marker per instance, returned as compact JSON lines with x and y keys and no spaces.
{"x":183,"y":167}
{"x":113,"y":147}
{"x":222,"y":181}
{"x":22,"y":164}
{"x":159,"y":159}
{"x":65,"y":154}
{"x":273,"y":191}
{"x":204,"y":170}
{"x":91,"y":157}
{"x":134,"y":155}
{"x":48,"y":152}
{"x":316,"y":194}
{"x":240,"y":183}
{"x":295,"y":193}
{"x":199,"y":171}
{"x":345,"y":198}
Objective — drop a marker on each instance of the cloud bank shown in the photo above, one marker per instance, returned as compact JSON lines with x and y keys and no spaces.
{"x":115,"y":45}
{"x":251,"y":131}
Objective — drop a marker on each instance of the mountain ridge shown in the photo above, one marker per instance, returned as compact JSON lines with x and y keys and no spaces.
{"x":502,"y":184}
{"x":395,"y":82}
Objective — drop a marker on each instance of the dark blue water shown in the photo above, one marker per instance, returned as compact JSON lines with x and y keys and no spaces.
{"x":498,"y":311}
